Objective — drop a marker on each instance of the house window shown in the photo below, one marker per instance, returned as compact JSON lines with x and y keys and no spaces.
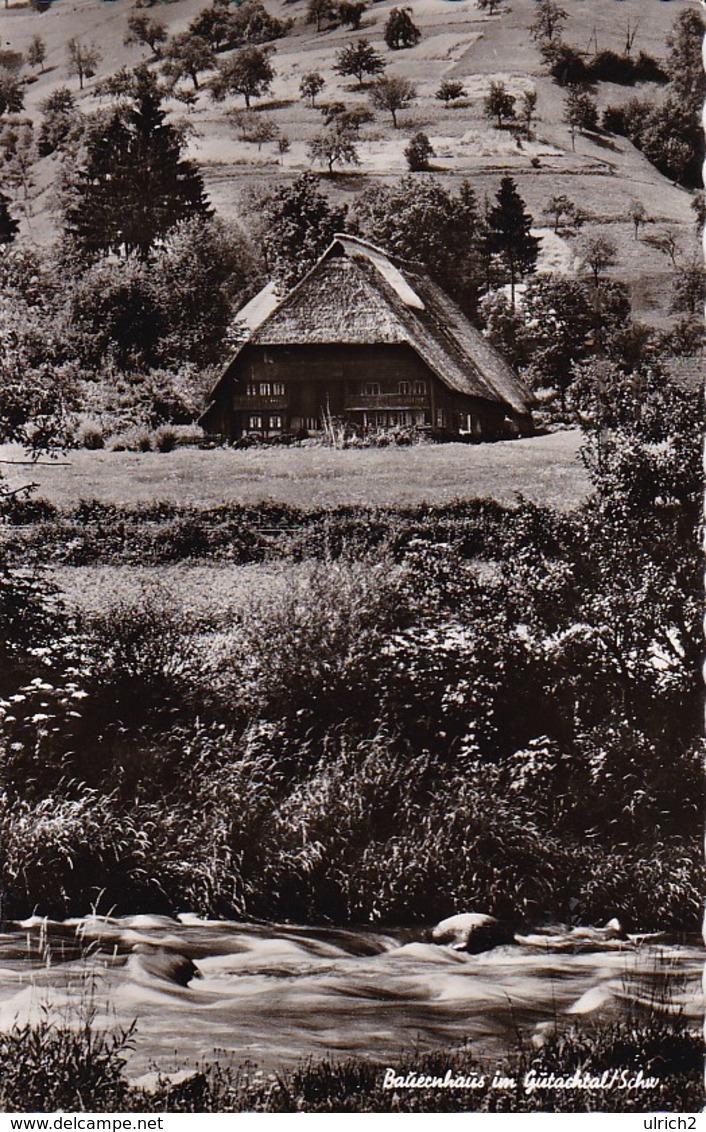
{"x":371,"y":389}
{"x":420,"y":388}
{"x":276,"y":424}
{"x":255,"y":423}
{"x":440,"y":418}
{"x":311,"y":424}
{"x":251,"y":391}
{"x":404,"y":388}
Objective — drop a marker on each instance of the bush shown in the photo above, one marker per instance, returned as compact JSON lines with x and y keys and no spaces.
{"x":89,"y":434}
{"x":418,"y":152}
{"x":165,"y":439}
{"x":62,"y":1068}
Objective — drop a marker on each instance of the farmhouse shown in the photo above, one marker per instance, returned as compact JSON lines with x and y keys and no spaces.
{"x":368,"y":340}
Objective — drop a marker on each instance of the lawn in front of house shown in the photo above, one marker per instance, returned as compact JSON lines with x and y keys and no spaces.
{"x":544,"y":469}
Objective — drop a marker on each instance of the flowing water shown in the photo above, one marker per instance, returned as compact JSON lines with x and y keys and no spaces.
{"x":276,"y":995}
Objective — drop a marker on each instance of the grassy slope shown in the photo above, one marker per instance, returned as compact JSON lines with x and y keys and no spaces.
{"x":545,"y":469}
{"x":457,"y":41}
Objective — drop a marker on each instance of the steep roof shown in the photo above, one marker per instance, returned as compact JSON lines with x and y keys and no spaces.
{"x":357,"y":295}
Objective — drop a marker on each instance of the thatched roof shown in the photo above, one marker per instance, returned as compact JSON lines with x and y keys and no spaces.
{"x":357,"y":295}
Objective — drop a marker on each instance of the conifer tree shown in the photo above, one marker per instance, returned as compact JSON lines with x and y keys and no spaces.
{"x":508,"y":236}
{"x":134,"y":185}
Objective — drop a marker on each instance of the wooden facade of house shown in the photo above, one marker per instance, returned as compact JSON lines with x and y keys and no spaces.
{"x":365,"y":340}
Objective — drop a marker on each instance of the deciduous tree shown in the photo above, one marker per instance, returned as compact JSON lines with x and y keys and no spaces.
{"x":83,"y":59}
{"x":548,"y":23}
{"x":400,"y":29}
{"x":450,"y":91}
{"x":320,"y":11}
{"x":297,"y":223}
{"x":564,"y":212}
{"x":311,"y":85}
{"x":392,"y":93}
{"x":419,"y":219}
{"x":11,"y":92}
{"x":499,"y":104}
{"x":37,"y":52}
{"x":143,"y":29}
{"x":334,"y":145}
{"x":359,"y":59}
{"x":598,"y":252}
{"x":186,"y":56}
{"x":248,"y":72}
{"x":350,"y":13}
{"x":580,"y":112}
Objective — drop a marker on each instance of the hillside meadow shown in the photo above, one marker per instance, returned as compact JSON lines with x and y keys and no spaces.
{"x":604,"y":175}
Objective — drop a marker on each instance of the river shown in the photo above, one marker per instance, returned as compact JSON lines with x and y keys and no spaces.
{"x":275,"y":995}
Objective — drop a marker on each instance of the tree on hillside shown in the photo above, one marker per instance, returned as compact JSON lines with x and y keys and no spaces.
{"x":320,"y":11}
{"x":350,"y":13}
{"x":251,"y":127}
{"x":392,"y":93}
{"x":400,"y":30}
{"x":19,"y":154}
{"x":334,"y":145}
{"x":359,"y":59}
{"x":83,"y":59}
{"x":311,"y":85}
{"x":638,"y":214}
{"x":11,"y":93}
{"x":186,"y":56}
{"x":37,"y":52}
{"x":450,"y":90}
{"x":350,"y":118}
{"x":508,"y":237}
{"x":248,"y":72}
{"x":9,"y":227}
{"x":598,"y":253}
{"x":528,"y":109}
{"x":61,"y":121}
{"x":132,"y":185}
{"x":215,"y":24}
{"x":548,"y":23}
{"x":297,"y":224}
{"x":144,"y":30}
{"x":665,"y":240}
{"x":490,"y":6}
{"x":564,"y":212}
{"x":500,"y":104}
{"x":580,"y":112}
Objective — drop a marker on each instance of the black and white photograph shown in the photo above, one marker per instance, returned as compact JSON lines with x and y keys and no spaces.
{"x":351,"y":570}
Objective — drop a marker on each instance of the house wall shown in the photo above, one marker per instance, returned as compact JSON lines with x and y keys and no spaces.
{"x":275,"y":389}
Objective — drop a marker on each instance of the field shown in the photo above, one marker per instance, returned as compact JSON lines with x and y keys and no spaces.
{"x":544,"y":469}
{"x":458,"y":41}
